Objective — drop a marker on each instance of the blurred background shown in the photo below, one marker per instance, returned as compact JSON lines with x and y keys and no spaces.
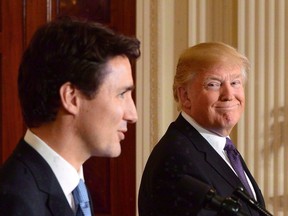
{"x":257,"y":28}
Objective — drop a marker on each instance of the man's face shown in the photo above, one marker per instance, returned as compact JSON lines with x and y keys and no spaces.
{"x":103,"y":120}
{"x":215,"y":99}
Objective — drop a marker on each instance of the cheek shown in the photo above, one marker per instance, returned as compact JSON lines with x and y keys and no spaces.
{"x":240,"y":94}
{"x":243,"y":100}
{"x":112,"y":116}
{"x":207,"y":100}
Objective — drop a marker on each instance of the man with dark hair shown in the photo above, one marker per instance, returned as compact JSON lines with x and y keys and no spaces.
{"x":75,"y":85}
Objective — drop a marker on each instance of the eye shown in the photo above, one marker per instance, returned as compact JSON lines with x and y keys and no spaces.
{"x":236,"y":83}
{"x":125,"y":92}
{"x":213,"y":85}
{"x":122,"y":94}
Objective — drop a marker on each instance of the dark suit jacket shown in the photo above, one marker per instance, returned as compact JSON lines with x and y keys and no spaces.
{"x":28,"y":186}
{"x":183,"y":151}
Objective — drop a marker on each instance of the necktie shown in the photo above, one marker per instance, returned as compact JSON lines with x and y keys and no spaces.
{"x":235,"y":161}
{"x":81,"y":200}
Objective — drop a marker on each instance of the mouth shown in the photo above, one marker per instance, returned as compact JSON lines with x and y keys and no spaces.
{"x":227,"y":107}
{"x":121,"y":134}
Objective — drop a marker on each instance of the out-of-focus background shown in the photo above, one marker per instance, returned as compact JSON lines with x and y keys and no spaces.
{"x":257,"y":28}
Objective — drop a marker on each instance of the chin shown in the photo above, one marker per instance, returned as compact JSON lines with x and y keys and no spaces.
{"x":115,"y":152}
{"x":109,"y":153}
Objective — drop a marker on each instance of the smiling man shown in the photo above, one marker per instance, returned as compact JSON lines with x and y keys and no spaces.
{"x":75,"y":85}
{"x":209,"y":88}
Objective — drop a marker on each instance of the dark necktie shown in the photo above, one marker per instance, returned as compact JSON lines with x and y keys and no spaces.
{"x":235,"y":161}
{"x":81,"y":200}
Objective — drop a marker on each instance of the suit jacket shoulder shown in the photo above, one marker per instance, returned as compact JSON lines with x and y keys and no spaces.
{"x":28,"y":186}
{"x":183,"y":151}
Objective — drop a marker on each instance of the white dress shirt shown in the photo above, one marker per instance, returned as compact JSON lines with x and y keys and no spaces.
{"x":66,"y":174}
{"x":216,"y":141}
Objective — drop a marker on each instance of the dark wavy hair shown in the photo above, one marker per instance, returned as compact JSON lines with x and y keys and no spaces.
{"x":66,"y":50}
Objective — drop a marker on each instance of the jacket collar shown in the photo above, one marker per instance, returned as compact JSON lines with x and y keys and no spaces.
{"x":45,"y":179}
{"x":211,"y":156}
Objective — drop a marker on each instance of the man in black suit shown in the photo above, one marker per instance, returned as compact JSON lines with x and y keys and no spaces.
{"x":209,"y":89}
{"x":75,"y":86}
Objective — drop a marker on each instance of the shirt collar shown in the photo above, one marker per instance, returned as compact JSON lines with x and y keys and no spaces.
{"x":216,"y":141}
{"x":66,"y":174}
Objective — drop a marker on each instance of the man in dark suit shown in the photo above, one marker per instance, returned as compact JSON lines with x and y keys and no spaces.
{"x":209,"y":89}
{"x":74,"y":86}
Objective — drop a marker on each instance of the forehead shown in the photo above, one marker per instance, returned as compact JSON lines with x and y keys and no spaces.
{"x":221,"y":72}
{"x":118,"y":72}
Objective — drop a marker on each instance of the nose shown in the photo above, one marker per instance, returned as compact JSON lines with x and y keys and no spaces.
{"x":131,"y":113}
{"x":226,"y":92}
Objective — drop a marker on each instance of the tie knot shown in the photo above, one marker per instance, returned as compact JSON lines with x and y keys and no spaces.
{"x":81,"y":200}
{"x":229,"y":146}
{"x":80,"y":193}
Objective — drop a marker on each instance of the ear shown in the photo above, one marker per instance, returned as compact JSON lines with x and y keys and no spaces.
{"x":183,"y":97}
{"x":69,"y":97}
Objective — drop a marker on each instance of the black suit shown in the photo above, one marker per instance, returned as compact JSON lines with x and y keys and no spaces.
{"x":183,"y":151}
{"x":29,"y":187}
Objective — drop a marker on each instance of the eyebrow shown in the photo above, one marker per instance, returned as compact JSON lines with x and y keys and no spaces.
{"x":214,"y":77}
{"x":129,"y":88}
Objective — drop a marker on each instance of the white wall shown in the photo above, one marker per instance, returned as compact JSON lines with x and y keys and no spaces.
{"x":258,"y":29}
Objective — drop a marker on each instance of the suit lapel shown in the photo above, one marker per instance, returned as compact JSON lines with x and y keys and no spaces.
{"x":57,"y":208}
{"x":211,"y":156}
{"x":257,"y":190}
{"x":214,"y":159}
{"x":45,"y":180}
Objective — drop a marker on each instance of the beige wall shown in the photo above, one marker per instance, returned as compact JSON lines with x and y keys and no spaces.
{"x":256,"y":28}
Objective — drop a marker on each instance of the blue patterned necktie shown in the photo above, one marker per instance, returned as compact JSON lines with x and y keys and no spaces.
{"x":81,"y":200}
{"x":235,"y":161}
